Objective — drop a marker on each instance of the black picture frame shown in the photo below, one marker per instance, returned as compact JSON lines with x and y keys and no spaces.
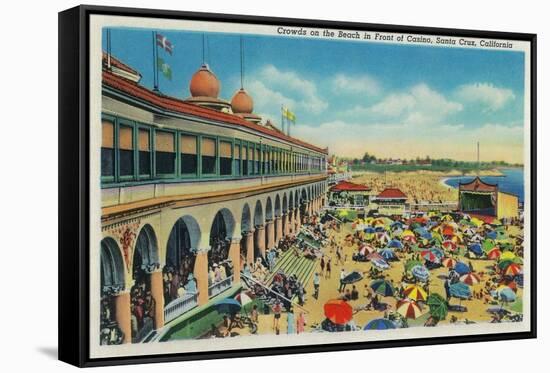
{"x":74,"y":191}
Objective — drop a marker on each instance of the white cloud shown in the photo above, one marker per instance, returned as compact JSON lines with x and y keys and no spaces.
{"x":286,"y":87}
{"x":494,"y":98}
{"x":362,"y":84}
{"x":419,"y":105}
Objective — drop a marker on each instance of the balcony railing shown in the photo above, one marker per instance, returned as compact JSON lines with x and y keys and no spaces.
{"x":179,"y":306}
{"x":220,"y":286}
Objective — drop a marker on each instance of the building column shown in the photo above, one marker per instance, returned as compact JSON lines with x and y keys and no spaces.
{"x":285,"y":224}
{"x":278,"y":230}
{"x":201,"y":276}
{"x":235,"y":256}
{"x":249,"y":247}
{"x":270,"y":231}
{"x":260,"y":239}
{"x":123,"y":313}
{"x":157,"y":291}
{"x":298,"y":220}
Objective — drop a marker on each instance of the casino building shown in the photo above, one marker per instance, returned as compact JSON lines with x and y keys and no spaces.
{"x":187,"y":186}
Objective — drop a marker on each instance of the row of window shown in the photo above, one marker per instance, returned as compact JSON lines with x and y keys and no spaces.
{"x":132,"y":151}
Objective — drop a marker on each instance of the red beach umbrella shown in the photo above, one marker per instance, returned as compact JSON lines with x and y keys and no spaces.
{"x":338,"y":311}
{"x":470,"y":279}
{"x":494,"y":254}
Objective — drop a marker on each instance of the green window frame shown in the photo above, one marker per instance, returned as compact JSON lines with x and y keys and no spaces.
{"x":144,"y":145}
{"x":225,"y":156}
{"x":188,"y":155}
{"x":108,"y":156}
{"x":206,"y":143}
{"x":163,"y":150}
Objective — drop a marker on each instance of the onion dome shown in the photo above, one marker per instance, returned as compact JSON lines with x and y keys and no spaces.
{"x":242,"y":103}
{"x":204,"y":83}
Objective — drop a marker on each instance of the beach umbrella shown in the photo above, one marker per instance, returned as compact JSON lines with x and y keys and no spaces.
{"x":352,"y":277}
{"x":460,"y":290}
{"x":449,"y":245}
{"x":506,"y":295}
{"x":383,"y":237}
{"x":387,"y":254}
{"x":408,"y":308}
{"x":476,"y":249}
{"x":380,"y":263}
{"x":395,"y":244}
{"x":407,"y":233}
{"x":380,"y":324}
{"x":415,"y":292}
{"x":244,"y":297}
{"x":448,"y":262}
{"x":374,"y":256}
{"x":492,"y":235}
{"x":488,"y":245}
{"x":494,"y":254}
{"x":508,"y":255}
{"x":447,"y":218}
{"x":420,"y":272}
{"x":396,"y":225}
{"x":227,"y":305}
{"x":438,"y":306}
{"x":411,"y":264}
{"x":462,"y":268}
{"x":369,"y":230}
{"x":448,"y":230}
{"x":512,"y":270}
{"x":503,"y":264}
{"x":338,"y":311}
{"x":437,"y":252}
{"x":477,"y":222}
{"x":429,"y":256}
{"x":470,"y":279}
{"x":511,"y":284}
{"x":382,"y":287}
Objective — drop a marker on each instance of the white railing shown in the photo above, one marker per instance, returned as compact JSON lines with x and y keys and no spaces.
{"x":180,"y":305}
{"x":220,"y":286}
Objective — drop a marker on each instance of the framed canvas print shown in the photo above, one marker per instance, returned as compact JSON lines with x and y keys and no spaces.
{"x":234,"y":186}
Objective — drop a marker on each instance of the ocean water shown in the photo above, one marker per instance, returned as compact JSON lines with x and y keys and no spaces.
{"x":511,"y":181}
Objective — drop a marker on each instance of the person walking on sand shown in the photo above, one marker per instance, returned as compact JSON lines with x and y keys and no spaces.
{"x":316,"y":283}
{"x":290,"y":321}
{"x":322,"y":264}
{"x":300,"y":323}
{"x":329,"y":268}
{"x":342,"y":284}
{"x":276,"y":315}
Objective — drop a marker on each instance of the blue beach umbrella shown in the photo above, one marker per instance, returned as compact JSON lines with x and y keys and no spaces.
{"x":387,"y":253}
{"x":476,"y":249}
{"x":369,"y":230}
{"x":492,"y":235}
{"x":460,"y":290}
{"x":506,"y":295}
{"x":395,"y":244}
{"x":227,"y":305}
{"x":379,"y":324}
{"x":420,"y":272}
{"x":462,"y":268}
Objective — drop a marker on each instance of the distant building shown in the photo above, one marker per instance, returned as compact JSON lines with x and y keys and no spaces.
{"x":346,"y":192}
{"x":480,"y":198}
{"x":391,"y":201}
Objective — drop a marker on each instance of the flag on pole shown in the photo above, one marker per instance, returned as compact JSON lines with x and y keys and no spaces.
{"x":164,"y":68}
{"x":289,"y":115}
{"x":164,"y":43}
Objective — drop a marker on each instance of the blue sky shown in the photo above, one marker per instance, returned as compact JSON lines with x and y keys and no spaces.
{"x":391,"y":100}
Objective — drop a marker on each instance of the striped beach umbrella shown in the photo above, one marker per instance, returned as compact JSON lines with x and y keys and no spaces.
{"x":470,"y":279}
{"x":449,"y":245}
{"x":382,"y":287}
{"x":408,"y":309}
{"x":415,"y":292}
{"x":513,"y":269}
{"x":429,"y":256}
{"x":448,"y":262}
{"x":494,"y":254}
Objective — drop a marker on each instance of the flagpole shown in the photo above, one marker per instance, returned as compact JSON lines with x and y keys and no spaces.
{"x":155,"y":68}
{"x":283,"y":118}
{"x":108,"y":49}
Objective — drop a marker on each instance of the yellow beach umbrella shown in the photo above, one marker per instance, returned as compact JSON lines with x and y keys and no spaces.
{"x":407,"y":232}
{"x":415,"y":292}
{"x":507,"y":255}
{"x":477,"y":222}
